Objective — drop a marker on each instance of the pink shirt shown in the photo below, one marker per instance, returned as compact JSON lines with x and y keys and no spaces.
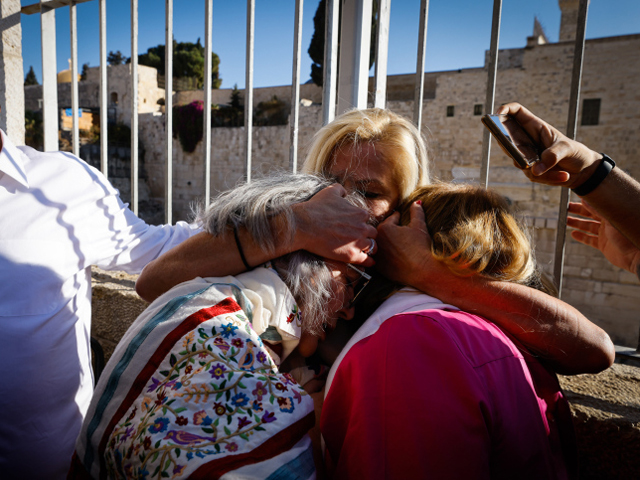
{"x":442,"y":394}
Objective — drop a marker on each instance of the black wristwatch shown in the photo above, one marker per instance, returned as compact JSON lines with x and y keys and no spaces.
{"x":598,"y":176}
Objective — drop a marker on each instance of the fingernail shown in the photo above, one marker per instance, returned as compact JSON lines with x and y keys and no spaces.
{"x":419,"y":202}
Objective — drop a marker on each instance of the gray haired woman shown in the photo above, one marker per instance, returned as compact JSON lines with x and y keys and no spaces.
{"x":193,"y":389}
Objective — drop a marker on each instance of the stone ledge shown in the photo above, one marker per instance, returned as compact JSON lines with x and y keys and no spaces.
{"x":606,"y":406}
{"x":606,"y":415}
{"x":114,"y":306}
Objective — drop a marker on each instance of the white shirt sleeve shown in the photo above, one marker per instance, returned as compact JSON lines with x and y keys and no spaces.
{"x":131,"y":243}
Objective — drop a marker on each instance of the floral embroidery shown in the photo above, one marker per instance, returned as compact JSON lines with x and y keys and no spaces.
{"x":217,"y":371}
{"x":295,"y":315}
{"x":212,"y":395}
{"x":160,"y":425}
{"x":228,"y":329}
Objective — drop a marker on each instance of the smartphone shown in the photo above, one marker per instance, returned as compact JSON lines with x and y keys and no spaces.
{"x":513,"y":139}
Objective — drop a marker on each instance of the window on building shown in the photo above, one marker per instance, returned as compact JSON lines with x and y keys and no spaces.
{"x":450,"y":110}
{"x":114,"y":98}
{"x":590,"y":111}
{"x":477,"y":109}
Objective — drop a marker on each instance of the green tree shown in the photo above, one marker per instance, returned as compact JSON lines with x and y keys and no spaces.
{"x":31,"y":79}
{"x":316,"y":47}
{"x":116,"y":58}
{"x":188,"y":61}
{"x":85,"y":71}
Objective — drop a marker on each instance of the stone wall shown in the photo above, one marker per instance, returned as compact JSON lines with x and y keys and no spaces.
{"x":538,"y":76}
{"x":11,"y":71}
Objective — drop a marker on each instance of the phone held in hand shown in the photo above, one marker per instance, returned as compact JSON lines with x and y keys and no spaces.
{"x":513,"y":139}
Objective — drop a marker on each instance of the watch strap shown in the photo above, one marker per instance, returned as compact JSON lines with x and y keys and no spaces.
{"x":598,"y":176}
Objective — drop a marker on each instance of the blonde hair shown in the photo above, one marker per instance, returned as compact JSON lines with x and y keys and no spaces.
{"x":473,"y":233}
{"x":396,"y":139}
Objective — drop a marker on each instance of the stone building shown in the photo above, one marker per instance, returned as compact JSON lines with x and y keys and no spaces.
{"x":118,"y":93}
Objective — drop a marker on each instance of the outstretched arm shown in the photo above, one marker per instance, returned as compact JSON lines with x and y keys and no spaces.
{"x":327,"y":225}
{"x":548,"y":327}
{"x":568,"y":163}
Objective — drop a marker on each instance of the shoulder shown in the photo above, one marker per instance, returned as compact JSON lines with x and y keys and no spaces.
{"x":62,"y":167}
{"x":453,"y":333}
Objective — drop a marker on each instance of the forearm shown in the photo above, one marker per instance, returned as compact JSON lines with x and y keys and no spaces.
{"x":204,"y":255}
{"x":617,"y":199}
{"x":548,"y":327}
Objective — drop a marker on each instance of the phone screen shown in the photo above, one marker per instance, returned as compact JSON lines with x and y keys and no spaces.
{"x":517,"y":136}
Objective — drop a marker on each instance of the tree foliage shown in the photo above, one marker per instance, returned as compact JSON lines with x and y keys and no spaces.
{"x":188,"y":61}
{"x":116,"y":58}
{"x":31,"y":79}
{"x":85,"y":71}
{"x":316,"y":47}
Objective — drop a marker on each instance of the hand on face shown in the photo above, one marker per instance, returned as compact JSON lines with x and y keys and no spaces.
{"x":330,"y":227}
{"x":598,"y":233}
{"x":404,"y":253}
{"x":564,"y":162}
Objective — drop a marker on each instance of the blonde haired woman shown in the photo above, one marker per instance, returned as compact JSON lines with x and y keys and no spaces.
{"x":424,"y":390}
{"x":382,"y":156}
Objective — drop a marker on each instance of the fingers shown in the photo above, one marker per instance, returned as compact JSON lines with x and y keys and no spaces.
{"x":587,"y":226}
{"x":335,"y":189}
{"x":393,"y":219}
{"x":585,"y":239}
{"x":372,"y":248}
{"x":540,"y":131}
{"x":416,"y":217}
{"x":562,"y":148}
{"x":584,"y":209}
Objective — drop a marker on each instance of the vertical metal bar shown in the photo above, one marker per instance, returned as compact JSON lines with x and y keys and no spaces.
{"x":168,"y":111}
{"x":295,"y":88}
{"x":418,"y":93}
{"x":489,"y":101}
{"x":50,"y":112}
{"x":104,"y":140}
{"x":572,"y":125}
{"x":329,"y":74}
{"x":248,"y":89}
{"x":134,"y":106}
{"x":355,"y":42}
{"x":73,"y":27}
{"x":382,"y":54}
{"x":208,"y":47}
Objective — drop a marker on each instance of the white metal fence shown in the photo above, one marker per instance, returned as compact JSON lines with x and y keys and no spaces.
{"x":352,"y":84}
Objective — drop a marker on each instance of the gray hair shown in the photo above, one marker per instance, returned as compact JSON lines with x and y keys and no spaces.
{"x":252,"y":205}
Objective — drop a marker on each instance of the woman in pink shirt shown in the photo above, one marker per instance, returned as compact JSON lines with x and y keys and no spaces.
{"x":424,"y":390}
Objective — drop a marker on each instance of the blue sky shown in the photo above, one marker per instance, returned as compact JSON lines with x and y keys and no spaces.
{"x":458,"y":32}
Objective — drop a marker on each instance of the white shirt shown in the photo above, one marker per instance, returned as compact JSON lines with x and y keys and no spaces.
{"x":58,"y":216}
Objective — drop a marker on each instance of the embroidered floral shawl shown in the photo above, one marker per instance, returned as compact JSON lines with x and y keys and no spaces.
{"x":192,"y":391}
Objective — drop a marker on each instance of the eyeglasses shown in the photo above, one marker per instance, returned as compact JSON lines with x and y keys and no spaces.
{"x":359,"y":284}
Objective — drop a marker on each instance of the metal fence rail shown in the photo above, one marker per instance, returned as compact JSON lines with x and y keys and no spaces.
{"x":343,"y":93}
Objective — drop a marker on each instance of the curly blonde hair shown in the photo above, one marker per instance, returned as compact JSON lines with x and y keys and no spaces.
{"x":396,"y":140}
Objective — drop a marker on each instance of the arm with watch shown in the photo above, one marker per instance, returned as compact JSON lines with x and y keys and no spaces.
{"x":610,"y":197}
